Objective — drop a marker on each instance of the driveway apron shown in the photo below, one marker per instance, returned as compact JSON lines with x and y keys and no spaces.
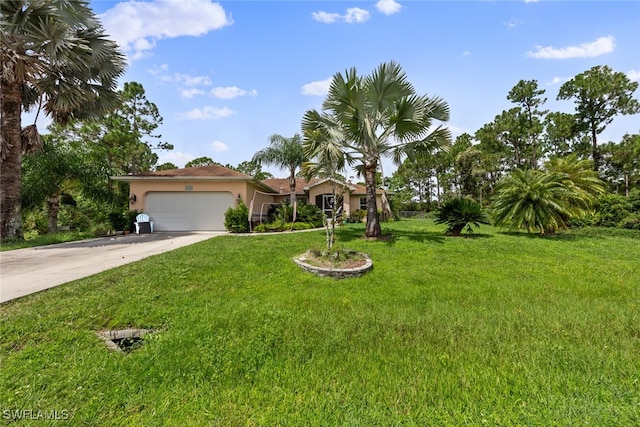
{"x":26,"y":271}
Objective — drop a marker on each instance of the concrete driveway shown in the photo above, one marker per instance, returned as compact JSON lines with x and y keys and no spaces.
{"x":26,"y":271}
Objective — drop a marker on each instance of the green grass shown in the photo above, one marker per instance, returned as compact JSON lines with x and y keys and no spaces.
{"x":33,"y":239}
{"x":495,"y":329}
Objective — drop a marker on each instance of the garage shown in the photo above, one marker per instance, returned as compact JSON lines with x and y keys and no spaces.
{"x":188,"y":211}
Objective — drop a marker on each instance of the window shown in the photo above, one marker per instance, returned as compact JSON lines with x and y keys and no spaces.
{"x":363,"y":203}
{"x":325,"y":202}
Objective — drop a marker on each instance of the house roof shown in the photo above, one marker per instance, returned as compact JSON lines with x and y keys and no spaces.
{"x":204,"y":173}
{"x":217,"y":172}
{"x":208,"y":171}
{"x":302,"y":186}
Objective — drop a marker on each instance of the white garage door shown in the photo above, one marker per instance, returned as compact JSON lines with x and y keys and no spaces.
{"x":188,"y":211}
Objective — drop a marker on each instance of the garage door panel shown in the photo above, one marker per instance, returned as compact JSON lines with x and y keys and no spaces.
{"x":188,"y":211}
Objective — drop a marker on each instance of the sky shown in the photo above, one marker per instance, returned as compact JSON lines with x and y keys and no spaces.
{"x":226,"y":75}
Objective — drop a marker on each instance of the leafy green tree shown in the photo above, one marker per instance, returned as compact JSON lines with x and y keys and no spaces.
{"x":55,"y":57}
{"x":166,"y":166}
{"x":622,"y":162}
{"x":50,"y":174}
{"x":600,"y":94}
{"x":200,"y":161}
{"x":253,"y":169}
{"x":529,"y":99}
{"x":367,"y":117}
{"x":460,"y":213}
{"x":562,"y":136}
{"x":284,"y":153}
{"x":142,"y":115}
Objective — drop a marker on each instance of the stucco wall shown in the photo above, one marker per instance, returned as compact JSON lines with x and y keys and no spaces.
{"x":142,"y":187}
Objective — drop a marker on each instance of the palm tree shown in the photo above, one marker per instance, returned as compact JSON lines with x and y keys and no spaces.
{"x":534,"y":200}
{"x":55,"y":57}
{"x":285,"y":153}
{"x":547,"y":200}
{"x":580,"y":178}
{"x":461,"y":212}
{"x":365,"y":118}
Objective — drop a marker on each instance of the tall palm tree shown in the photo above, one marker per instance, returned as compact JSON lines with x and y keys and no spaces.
{"x":365,"y":118}
{"x":285,"y":153}
{"x":56,"y":58}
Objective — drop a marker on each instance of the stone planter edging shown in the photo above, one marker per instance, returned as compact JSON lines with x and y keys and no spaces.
{"x":336,"y":273}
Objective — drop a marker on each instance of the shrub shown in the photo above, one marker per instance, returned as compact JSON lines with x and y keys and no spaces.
{"x":236,"y":220}
{"x":459,"y":213}
{"x":310,"y":214}
{"x":358,"y":215}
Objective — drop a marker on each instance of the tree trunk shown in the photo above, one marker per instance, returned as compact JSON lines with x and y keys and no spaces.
{"x":373,"y":219}
{"x":594,"y":149}
{"x":10,"y":160}
{"x":53,"y":207}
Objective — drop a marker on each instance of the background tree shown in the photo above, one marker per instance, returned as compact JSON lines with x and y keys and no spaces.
{"x":54,"y":56}
{"x":200,"y":161}
{"x":253,"y":169}
{"x":284,"y":153}
{"x":600,"y":94}
{"x":622,"y":163}
{"x":562,"y":136}
{"x":166,"y":166}
{"x":373,"y":116}
{"x":529,"y":99}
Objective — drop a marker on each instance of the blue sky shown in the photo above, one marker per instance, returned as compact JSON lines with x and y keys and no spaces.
{"x":226,"y":75}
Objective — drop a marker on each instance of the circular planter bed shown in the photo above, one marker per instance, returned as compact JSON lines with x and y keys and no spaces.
{"x":344,"y":265}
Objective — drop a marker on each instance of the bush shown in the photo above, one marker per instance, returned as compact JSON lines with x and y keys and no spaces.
{"x":119,"y":220}
{"x":459,"y":213}
{"x":236,"y":220}
{"x":358,"y":215}
{"x":310,"y":214}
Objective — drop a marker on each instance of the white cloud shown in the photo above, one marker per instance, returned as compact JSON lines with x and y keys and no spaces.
{"x":191,"y":92}
{"x":190,"y":80}
{"x":634,"y":75}
{"x":530,"y":1}
{"x":137,"y":25}
{"x":388,"y":7}
{"x":206,"y":113}
{"x":353,"y":15}
{"x":219,"y":146}
{"x":557,"y":80}
{"x":325,"y":17}
{"x":357,"y":15}
{"x":512,"y":23}
{"x":466,"y":53}
{"x":230,"y":92}
{"x":159,"y":70}
{"x":317,"y":88}
{"x":585,"y":50}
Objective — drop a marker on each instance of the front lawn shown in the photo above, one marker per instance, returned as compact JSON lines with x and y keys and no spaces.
{"x":496,"y":329}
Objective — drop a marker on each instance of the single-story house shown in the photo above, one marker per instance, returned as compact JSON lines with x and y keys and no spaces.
{"x":195,"y":199}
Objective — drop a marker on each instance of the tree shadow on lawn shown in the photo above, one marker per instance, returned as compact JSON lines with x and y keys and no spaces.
{"x":391,"y":237}
{"x":575,"y":235}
